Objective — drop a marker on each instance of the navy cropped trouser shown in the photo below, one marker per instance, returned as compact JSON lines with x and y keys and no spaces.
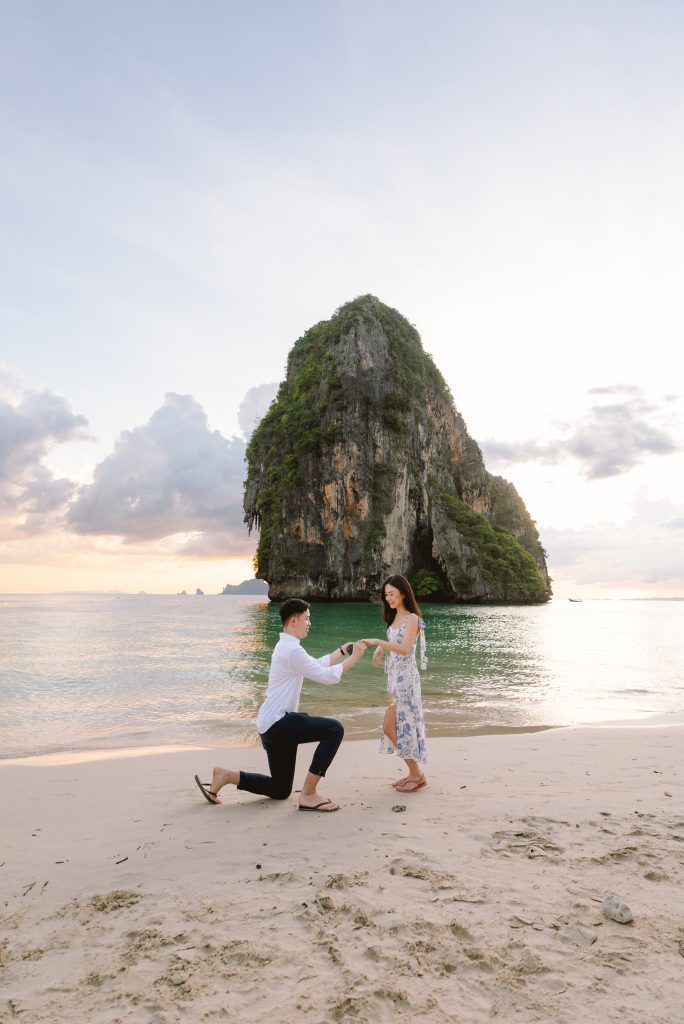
{"x":280,"y":743}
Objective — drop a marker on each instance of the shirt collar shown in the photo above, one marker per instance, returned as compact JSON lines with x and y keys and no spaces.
{"x":288,"y":638}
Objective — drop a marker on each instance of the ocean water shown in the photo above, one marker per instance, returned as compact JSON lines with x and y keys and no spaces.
{"x":84,"y":673}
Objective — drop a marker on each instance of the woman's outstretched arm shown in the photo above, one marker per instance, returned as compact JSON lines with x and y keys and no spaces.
{"x":405,"y":646}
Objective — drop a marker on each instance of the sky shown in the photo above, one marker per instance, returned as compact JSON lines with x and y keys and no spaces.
{"x":185,"y":189}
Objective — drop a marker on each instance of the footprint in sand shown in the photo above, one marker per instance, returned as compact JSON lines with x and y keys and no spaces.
{"x":529,"y":842}
{"x":148,"y":942}
{"x":342,"y":881}
{"x":118,"y":899}
{"x":437,"y":879}
{"x":616,"y":856}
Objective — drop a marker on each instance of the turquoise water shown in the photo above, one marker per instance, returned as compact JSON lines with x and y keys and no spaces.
{"x":93,"y":672}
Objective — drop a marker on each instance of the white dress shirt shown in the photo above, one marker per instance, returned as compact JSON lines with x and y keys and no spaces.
{"x":289,"y":665}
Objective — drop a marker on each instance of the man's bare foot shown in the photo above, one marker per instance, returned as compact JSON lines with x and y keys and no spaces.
{"x":317,"y":802}
{"x":206,"y":791}
{"x":221,"y":777}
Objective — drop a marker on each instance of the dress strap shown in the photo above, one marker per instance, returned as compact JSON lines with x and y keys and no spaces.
{"x":422,"y":645}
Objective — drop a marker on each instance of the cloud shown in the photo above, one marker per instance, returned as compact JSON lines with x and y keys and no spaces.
{"x":641,"y":551}
{"x":215,"y":544}
{"x":172,"y":475}
{"x":254,"y":406}
{"x":613,"y":438}
{"x":31,"y":424}
{"x":616,"y":389}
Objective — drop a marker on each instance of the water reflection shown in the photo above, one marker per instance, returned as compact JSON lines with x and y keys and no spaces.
{"x":82,"y":672}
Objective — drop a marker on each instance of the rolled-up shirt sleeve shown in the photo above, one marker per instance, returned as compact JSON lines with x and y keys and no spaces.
{"x":320,"y":670}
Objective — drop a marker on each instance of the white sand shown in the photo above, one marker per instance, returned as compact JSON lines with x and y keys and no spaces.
{"x":126,"y":897}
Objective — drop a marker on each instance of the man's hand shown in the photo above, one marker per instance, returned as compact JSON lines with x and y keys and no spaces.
{"x":348,"y":648}
{"x":358,"y":651}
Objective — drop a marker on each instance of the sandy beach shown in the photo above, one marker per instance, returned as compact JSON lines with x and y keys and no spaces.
{"x":125,"y":897}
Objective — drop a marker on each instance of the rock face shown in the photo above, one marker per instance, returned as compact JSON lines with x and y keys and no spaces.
{"x":363,"y":468}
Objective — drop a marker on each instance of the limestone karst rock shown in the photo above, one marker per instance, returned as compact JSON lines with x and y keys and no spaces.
{"x":362,"y":468}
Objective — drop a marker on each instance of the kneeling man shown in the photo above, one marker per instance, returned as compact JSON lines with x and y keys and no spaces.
{"x":282,"y":727}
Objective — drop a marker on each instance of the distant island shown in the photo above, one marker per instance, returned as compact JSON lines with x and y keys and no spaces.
{"x":246,"y":587}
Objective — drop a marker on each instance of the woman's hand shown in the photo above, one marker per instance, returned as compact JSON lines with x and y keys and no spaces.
{"x":374,"y":642}
{"x":377,"y":657}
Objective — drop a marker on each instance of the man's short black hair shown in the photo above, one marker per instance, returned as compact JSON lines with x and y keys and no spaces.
{"x":293,"y":606}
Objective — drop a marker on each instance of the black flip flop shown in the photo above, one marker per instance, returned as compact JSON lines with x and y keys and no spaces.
{"x":317,"y":807}
{"x":206,"y":793}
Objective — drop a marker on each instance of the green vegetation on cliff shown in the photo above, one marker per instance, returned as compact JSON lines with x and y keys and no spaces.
{"x":426,"y":584}
{"x":414,"y":372}
{"x":505,"y":564}
{"x":508,"y":510}
{"x":313,"y":386}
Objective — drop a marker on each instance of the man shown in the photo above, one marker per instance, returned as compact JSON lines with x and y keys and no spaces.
{"x":282,"y":727}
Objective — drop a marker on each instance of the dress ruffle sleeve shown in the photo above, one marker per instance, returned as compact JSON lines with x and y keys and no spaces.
{"x":422,"y":646}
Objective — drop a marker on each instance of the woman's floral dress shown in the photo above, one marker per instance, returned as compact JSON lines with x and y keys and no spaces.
{"x":403,"y":682}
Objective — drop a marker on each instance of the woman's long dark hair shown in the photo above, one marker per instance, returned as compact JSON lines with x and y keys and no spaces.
{"x":401,"y":584}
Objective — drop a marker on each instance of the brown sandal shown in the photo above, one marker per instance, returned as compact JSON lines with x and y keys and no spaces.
{"x":413,"y":785}
{"x":212,"y":798}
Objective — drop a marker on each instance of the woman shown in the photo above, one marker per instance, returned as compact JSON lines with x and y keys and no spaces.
{"x":403,"y":728}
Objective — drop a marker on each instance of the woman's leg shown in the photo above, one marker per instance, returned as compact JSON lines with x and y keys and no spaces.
{"x":389,"y":728}
{"x":415,"y":778}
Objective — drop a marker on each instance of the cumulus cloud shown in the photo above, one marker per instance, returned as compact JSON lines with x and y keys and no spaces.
{"x":613,"y":437}
{"x":171,"y":475}
{"x":254,"y":406}
{"x":31,"y":424}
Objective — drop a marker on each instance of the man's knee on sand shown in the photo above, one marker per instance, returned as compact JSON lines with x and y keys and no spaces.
{"x":336,"y":729}
{"x":281,"y":792}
